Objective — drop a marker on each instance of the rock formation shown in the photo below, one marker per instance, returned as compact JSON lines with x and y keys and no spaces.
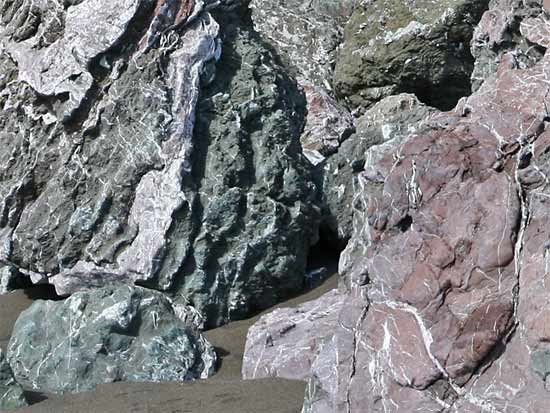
{"x":445,"y":271}
{"x":418,"y":46}
{"x":106,"y":335}
{"x":383,"y":127}
{"x":11,"y":393}
{"x":307,"y":36}
{"x":285,"y":343}
{"x":167,"y":164}
{"x":106,"y":176}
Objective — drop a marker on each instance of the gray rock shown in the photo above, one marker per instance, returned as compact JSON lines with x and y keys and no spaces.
{"x":418,"y":46}
{"x":380,"y":130}
{"x":106,"y":335}
{"x":285,"y":342}
{"x":11,"y":393}
{"x":307,"y":35}
{"x":126,"y":185}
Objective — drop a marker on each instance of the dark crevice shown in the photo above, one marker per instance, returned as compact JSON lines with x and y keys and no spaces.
{"x":405,"y":223}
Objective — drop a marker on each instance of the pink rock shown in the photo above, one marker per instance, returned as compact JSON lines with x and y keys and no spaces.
{"x":285,"y":342}
{"x":448,"y":294}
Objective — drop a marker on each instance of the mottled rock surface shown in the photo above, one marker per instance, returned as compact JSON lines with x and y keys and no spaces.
{"x":379,"y":131}
{"x":106,"y":335}
{"x":11,"y":393}
{"x":446,"y":269}
{"x":107,"y":176}
{"x":307,"y":36}
{"x":418,"y":46}
{"x":515,"y":26}
{"x":285,"y":343}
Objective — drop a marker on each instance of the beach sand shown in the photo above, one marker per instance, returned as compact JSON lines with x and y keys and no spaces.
{"x":225,"y":392}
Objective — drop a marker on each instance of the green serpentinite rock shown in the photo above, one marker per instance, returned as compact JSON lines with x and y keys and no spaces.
{"x":117,"y":333}
{"x":11,"y":393}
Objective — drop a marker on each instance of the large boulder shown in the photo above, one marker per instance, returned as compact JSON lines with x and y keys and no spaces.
{"x":286,"y":342}
{"x":11,"y":393}
{"x":117,"y":333}
{"x":446,"y":271}
{"x":109,"y":175}
{"x":418,"y":46}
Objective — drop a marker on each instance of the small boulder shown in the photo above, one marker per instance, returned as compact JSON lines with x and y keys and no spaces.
{"x":106,"y":335}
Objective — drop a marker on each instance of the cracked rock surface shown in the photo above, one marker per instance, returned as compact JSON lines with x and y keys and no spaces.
{"x":445,"y":274}
{"x":285,"y":343}
{"x":307,"y":36}
{"x":107,"y":335}
{"x":108,"y":176}
{"x":11,"y":393}
{"x":445,"y":271}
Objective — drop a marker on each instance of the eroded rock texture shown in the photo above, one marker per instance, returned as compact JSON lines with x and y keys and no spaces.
{"x":307,"y":36}
{"x":104,"y":176}
{"x":11,"y":393}
{"x":446,"y":269}
{"x":379,"y":131}
{"x":418,"y":46}
{"x":106,"y":335}
{"x":285,"y":342}
{"x":515,"y":26}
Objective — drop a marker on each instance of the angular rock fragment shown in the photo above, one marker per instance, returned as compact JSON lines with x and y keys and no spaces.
{"x":11,"y":393}
{"x":285,"y":343}
{"x":106,"y":335}
{"x":419,"y":47}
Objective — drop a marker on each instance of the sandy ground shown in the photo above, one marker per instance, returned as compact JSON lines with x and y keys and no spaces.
{"x":225,"y":392}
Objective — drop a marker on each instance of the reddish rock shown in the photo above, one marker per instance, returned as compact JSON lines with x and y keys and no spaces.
{"x":448,"y":306}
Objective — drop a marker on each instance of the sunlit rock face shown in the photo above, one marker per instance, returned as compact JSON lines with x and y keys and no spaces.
{"x":110,"y":174}
{"x":445,"y":272}
{"x":107,"y":335}
{"x":446,"y":268}
{"x":307,"y":35}
{"x":286,"y":342}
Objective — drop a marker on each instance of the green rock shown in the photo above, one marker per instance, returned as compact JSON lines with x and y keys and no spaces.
{"x":418,"y":46}
{"x":11,"y":393}
{"x":118,"y":333}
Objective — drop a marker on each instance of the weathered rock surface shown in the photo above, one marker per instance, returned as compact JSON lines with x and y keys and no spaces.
{"x":418,"y":46}
{"x":105,"y":176}
{"x":446,"y":269}
{"x":11,"y":393}
{"x":379,"y":131}
{"x":515,"y":26}
{"x":307,"y":36}
{"x":285,"y":342}
{"x":107,"y":335}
